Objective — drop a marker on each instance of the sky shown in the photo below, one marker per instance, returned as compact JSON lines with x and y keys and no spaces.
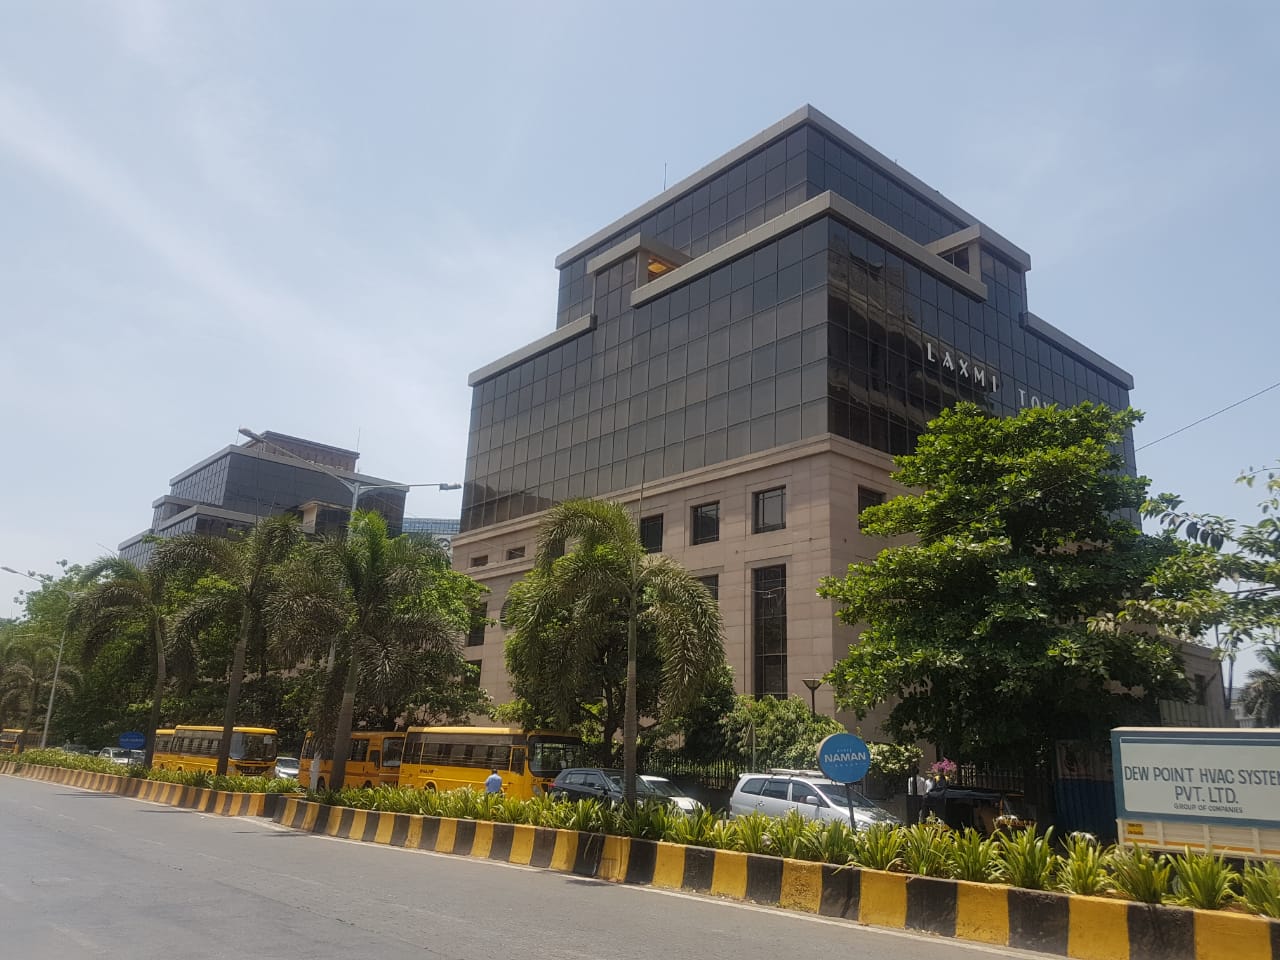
{"x":317,"y":217}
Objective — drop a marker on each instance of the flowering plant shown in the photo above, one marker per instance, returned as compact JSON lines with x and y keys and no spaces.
{"x":943,"y":768}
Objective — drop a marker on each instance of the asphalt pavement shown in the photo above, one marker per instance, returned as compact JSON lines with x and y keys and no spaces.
{"x":93,"y":875}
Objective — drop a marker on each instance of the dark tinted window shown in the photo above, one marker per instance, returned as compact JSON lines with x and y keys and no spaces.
{"x":769,"y":510}
{"x":651,"y":533}
{"x":479,"y":620}
{"x":776,"y":789}
{"x":753,"y":786}
{"x":712,"y":582}
{"x":869,"y":498}
{"x":769,"y":630}
{"x":706,"y":523}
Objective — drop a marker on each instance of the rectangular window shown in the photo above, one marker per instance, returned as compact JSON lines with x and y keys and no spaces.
{"x":515,"y":553}
{"x":769,"y":510}
{"x":706,"y":523}
{"x":769,"y":630}
{"x":868,"y":498}
{"x":480,"y":560}
{"x":472,"y":678}
{"x":479,"y":620}
{"x":651,"y":533}
{"x":712,"y":582}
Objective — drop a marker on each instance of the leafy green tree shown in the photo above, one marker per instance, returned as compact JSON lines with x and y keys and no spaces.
{"x":776,"y":732}
{"x":1246,"y":555}
{"x":994,"y":631}
{"x":240,"y":577}
{"x":120,"y":599}
{"x":586,"y":609}
{"x":1260,"y":696}
{"x":389,"y":606}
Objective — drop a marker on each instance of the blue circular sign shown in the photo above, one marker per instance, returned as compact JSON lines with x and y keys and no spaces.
{"x":844,"y":758}
{"x":132,"y":740}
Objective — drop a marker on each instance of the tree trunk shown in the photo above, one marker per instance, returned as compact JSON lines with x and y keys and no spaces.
{"x":32,"y":706}
{"x":342,"y":736}
{"x":630,"y":722}
{"x":233,"y":690}
{"x":157,"y":694}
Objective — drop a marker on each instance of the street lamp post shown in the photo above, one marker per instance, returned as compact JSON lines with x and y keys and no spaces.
{"x":57,"y":663}
{"x":813,"y":683}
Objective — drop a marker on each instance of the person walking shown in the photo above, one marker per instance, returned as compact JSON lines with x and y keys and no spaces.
{"x":493,"y":783}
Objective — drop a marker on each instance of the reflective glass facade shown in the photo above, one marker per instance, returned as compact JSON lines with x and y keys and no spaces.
{"x":229,"y":491}
{"x":827,"y":327}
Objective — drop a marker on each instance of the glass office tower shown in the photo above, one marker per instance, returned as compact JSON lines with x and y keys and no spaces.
{"x":740,"y":357}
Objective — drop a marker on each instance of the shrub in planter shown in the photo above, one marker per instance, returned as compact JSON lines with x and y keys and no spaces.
{"x":1140,"y":876}
{"x":974,"y":857}
{"x":1084,"y":869}
{"x":879,"y":847}
{"x":1260,"y":888}
{"x":1204,"y":881}
{"x":1027,"y":859}
{"x":926,"y":850}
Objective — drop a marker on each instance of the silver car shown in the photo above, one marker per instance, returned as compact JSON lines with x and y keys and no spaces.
{"x":287,"y":768}
{"x":780,"y":791}
{"x":118,"y":755}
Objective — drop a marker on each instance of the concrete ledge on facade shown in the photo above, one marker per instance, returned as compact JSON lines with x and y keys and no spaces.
{"x":1047,"y":331}
{"x":219,"y":802}
{"x":1089,"y":928}
{"x":825,"y":204}
{"x":633,"y":245}
{"x":553,"y":339}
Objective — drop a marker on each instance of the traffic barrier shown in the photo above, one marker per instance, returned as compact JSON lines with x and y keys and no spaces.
{"x":219,"y":802}
{"x":1087,"y":928}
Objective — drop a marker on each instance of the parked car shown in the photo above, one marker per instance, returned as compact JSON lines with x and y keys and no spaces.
{"x":598,"y":783}
{"x":287,"y":768}
{"x":79,"y":748}
{"x":807,"y":791}
{"x":118,"y":755}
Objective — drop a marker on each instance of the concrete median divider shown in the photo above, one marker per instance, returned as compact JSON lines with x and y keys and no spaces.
{"x":1088,"y":928}
{"x":219,"y":802}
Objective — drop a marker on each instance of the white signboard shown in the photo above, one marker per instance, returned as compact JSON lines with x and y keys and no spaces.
{"x":1226,"y":776}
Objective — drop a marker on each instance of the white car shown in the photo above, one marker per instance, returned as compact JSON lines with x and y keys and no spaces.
{"x":118,"y":755}
{"x":809,"y":792}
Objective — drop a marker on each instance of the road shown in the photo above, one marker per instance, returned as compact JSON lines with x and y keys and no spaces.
{"x":92,"y":875}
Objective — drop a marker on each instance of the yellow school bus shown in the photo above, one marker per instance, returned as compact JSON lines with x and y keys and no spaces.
{"x":187,"y":748}
{"x":445,"y":758}
{"x":15,"y":740}
{"x":373,"y":760}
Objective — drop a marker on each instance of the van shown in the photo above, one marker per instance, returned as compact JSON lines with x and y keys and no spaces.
{"x":808,"y":792}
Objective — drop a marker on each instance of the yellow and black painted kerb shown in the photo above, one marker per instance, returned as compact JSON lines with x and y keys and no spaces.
{"x":1088,"y":928}
{"x":219,"y":802}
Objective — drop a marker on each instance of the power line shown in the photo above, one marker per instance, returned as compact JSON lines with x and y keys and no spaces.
{"x":1196,"y":423}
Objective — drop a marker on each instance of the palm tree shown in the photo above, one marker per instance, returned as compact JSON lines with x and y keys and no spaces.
{"x":27,"y":663}
{"x":119,"y":595}
{"x":379,"y":603}
{"x":246,"y":568}
{"x":1260,"y":695}
{"x":607,"y":573}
